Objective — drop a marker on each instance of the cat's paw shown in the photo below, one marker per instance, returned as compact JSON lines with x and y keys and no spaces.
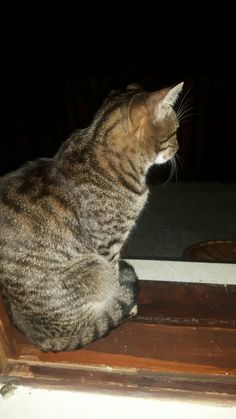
{"x":133,"y":311}
{"x":128,"y":279}
{"x":127,"y":272}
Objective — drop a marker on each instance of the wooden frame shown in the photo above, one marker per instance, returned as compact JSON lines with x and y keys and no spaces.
{"x":182,"y":344}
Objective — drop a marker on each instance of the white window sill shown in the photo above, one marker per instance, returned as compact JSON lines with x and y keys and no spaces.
{"x":197,"y":272}
{"x":55,"y":404}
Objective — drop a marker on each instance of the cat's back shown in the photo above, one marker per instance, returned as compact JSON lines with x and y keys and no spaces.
{"x":37,"y":224}
{"x":31,"y":201}
{"x":20,"y":189}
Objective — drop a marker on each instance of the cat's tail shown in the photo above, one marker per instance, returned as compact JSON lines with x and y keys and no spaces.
{"x":99,"y":298}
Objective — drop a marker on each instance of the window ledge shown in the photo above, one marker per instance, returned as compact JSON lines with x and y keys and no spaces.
{"x":178,"y":271}
{"x":182,"y":343}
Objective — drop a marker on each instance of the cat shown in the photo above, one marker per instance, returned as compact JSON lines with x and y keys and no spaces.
{"x":65,"y":219}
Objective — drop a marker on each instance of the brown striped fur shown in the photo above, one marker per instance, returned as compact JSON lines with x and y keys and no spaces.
{"x":64,"y":221}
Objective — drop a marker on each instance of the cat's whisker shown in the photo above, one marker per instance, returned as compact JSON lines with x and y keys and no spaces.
{"x":173,"y":171}
{"x":185,"y":118}
{"x":183,"y":106}
{"x":168,"y":180}
{"x":186,"y":121}
{"x":178,"y":160}
{"x":173,"y":160}
{"x":185,"y":111}
{"x":183,"y":98}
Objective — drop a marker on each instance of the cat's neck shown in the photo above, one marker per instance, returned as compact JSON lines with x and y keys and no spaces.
{"x":124,"y":168}
{"x":122,"y":165}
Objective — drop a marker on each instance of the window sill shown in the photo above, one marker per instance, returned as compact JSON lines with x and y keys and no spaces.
{"x":181,"y":344}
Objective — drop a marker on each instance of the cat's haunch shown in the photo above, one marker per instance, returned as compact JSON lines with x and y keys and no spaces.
{"x":65,"y":219}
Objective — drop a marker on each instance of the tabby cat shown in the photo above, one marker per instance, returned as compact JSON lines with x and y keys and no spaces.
{"x":64,"y":220}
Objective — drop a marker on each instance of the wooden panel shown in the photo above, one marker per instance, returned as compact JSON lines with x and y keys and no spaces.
{"x":183,"y":341}
{"x":127,"y":382}
{"x":188,"y":304}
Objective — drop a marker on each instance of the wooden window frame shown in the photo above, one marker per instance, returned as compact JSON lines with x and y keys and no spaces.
{"x":182,"y":343}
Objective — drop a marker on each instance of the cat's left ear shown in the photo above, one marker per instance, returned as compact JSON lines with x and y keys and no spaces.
{"x":134,"y":86}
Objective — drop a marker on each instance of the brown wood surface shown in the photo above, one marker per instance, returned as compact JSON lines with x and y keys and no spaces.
{"x":7,"y":344}
{"x":182,"y":342}
{"x":188,"y":304}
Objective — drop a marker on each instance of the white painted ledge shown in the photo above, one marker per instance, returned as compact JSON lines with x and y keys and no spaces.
{"x":27,"y":403}
{"x":197,"y":272}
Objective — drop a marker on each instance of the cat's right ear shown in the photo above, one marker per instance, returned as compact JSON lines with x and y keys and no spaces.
{"x":134,"y":86}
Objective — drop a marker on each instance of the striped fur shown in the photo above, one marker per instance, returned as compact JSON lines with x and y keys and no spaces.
{"x":64,"y":221}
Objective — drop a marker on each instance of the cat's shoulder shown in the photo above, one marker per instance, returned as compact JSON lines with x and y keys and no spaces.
{"x":29,"y":175}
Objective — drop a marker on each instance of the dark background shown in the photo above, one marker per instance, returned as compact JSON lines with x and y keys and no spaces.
{"x":57,"y":67}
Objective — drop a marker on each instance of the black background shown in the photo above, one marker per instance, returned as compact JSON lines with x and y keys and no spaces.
{"x":58,"y":65}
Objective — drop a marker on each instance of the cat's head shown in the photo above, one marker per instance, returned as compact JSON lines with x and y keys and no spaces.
{"x":156,"y":121}
{"x":141,"y":123}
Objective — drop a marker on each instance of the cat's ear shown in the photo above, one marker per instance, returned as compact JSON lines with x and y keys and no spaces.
{"x":156,"y":101}
{"x":173,"y":94}
{"x":134,"y":86}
